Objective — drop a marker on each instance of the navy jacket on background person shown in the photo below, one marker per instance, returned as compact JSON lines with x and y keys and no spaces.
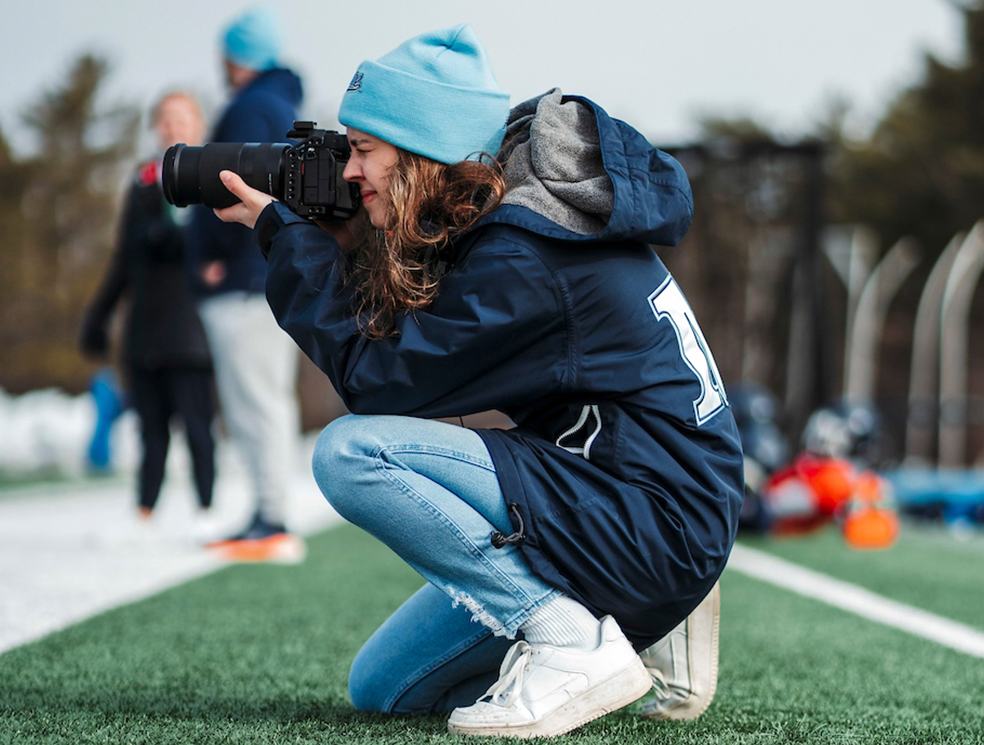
{"x":625,"y":468}
{"x":262,"y":111}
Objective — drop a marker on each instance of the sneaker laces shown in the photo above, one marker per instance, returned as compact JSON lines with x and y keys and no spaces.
{"x":507,"y":688}
{"x":664,"y":690}
{"x":660,"y":687}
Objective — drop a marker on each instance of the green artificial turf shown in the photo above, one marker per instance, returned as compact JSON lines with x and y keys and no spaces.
{"x":927,"y":567}
{"x":260,"y":654}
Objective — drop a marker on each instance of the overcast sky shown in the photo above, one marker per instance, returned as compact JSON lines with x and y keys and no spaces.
{"x":658,"y":64}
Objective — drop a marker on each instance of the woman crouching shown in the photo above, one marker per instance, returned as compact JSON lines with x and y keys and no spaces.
{"x":524,"y":283}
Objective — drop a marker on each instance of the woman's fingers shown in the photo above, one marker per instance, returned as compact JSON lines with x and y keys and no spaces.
{"x":234,"y":183}
{"x":252,"y":201}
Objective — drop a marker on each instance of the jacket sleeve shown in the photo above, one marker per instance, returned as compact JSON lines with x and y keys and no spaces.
{"x":93,"y":335}
{"x":160,"y":236}
{"x":494,"y":338}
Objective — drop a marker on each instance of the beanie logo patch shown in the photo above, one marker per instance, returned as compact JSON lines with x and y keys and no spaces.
{"x":356,"y":84}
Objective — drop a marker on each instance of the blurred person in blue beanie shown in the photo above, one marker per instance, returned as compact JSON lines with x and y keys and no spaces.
{"x":255,"y":361}
{"x":503,"y":261}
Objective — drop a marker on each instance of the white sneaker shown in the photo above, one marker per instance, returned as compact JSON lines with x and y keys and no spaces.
{"x":544,"y":691}
{"x":684,"y":664}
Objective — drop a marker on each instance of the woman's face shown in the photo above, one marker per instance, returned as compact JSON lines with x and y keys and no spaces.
{"x":370,"y":166}
{"x":178,"y":120}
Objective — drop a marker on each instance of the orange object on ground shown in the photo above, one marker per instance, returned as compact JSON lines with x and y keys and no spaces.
{"x":813,"y":492}
{"x":868,"y":523}
{"x":871,"y":528}
{"x":281,"y":548}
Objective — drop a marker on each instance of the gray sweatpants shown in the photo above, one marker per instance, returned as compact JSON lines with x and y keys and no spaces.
{"x":256,"y":375}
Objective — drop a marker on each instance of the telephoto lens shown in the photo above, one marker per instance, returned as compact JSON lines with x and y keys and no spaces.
{"x":191,"y":174}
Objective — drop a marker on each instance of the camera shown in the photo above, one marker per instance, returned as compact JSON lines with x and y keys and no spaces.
{"x":305,"y":175}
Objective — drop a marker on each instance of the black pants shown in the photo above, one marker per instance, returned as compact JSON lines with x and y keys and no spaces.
{"x":159,"y":395}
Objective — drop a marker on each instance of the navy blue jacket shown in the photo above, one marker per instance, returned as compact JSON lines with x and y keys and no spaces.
{"x":162,"y":328}
{"x":625,"y":467}
{"x":262,"y":111}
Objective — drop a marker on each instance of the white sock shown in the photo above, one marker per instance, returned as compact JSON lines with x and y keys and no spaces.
{"x":562,"y":622}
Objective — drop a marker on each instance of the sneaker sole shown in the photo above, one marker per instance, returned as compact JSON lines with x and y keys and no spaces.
{"x":618,"y":691}
{"x":696,"y":705}
{"x":277,"y":549}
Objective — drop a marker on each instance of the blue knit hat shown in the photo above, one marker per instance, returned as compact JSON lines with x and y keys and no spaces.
{"x":253,"y":40}
{"x":434,"y":95}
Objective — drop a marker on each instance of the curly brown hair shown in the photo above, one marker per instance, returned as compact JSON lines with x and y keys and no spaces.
{"x":397,"y":269}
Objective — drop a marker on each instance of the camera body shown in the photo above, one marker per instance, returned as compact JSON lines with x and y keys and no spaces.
{"x":313,"y":183}
{"x":305,"y":175}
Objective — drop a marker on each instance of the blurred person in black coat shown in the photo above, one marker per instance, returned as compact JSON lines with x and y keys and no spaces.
{"x":165,"y":352}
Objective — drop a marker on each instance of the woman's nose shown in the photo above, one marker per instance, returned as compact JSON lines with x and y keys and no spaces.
{"x":352,"y":172}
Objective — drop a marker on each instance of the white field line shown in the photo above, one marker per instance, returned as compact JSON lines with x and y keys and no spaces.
{"x":856,"y":600}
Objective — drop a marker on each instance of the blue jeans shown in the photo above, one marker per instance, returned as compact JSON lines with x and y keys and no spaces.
{"x":428,"y":490}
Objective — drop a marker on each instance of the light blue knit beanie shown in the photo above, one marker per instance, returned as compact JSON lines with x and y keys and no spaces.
{"x":253,"y":40}
{"x":434,"y":95}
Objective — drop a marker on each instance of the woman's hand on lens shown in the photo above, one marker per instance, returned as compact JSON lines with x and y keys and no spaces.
{"x":252,"y":203}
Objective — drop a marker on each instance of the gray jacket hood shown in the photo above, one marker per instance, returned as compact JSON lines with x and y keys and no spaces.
{"x":575,"y":173}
